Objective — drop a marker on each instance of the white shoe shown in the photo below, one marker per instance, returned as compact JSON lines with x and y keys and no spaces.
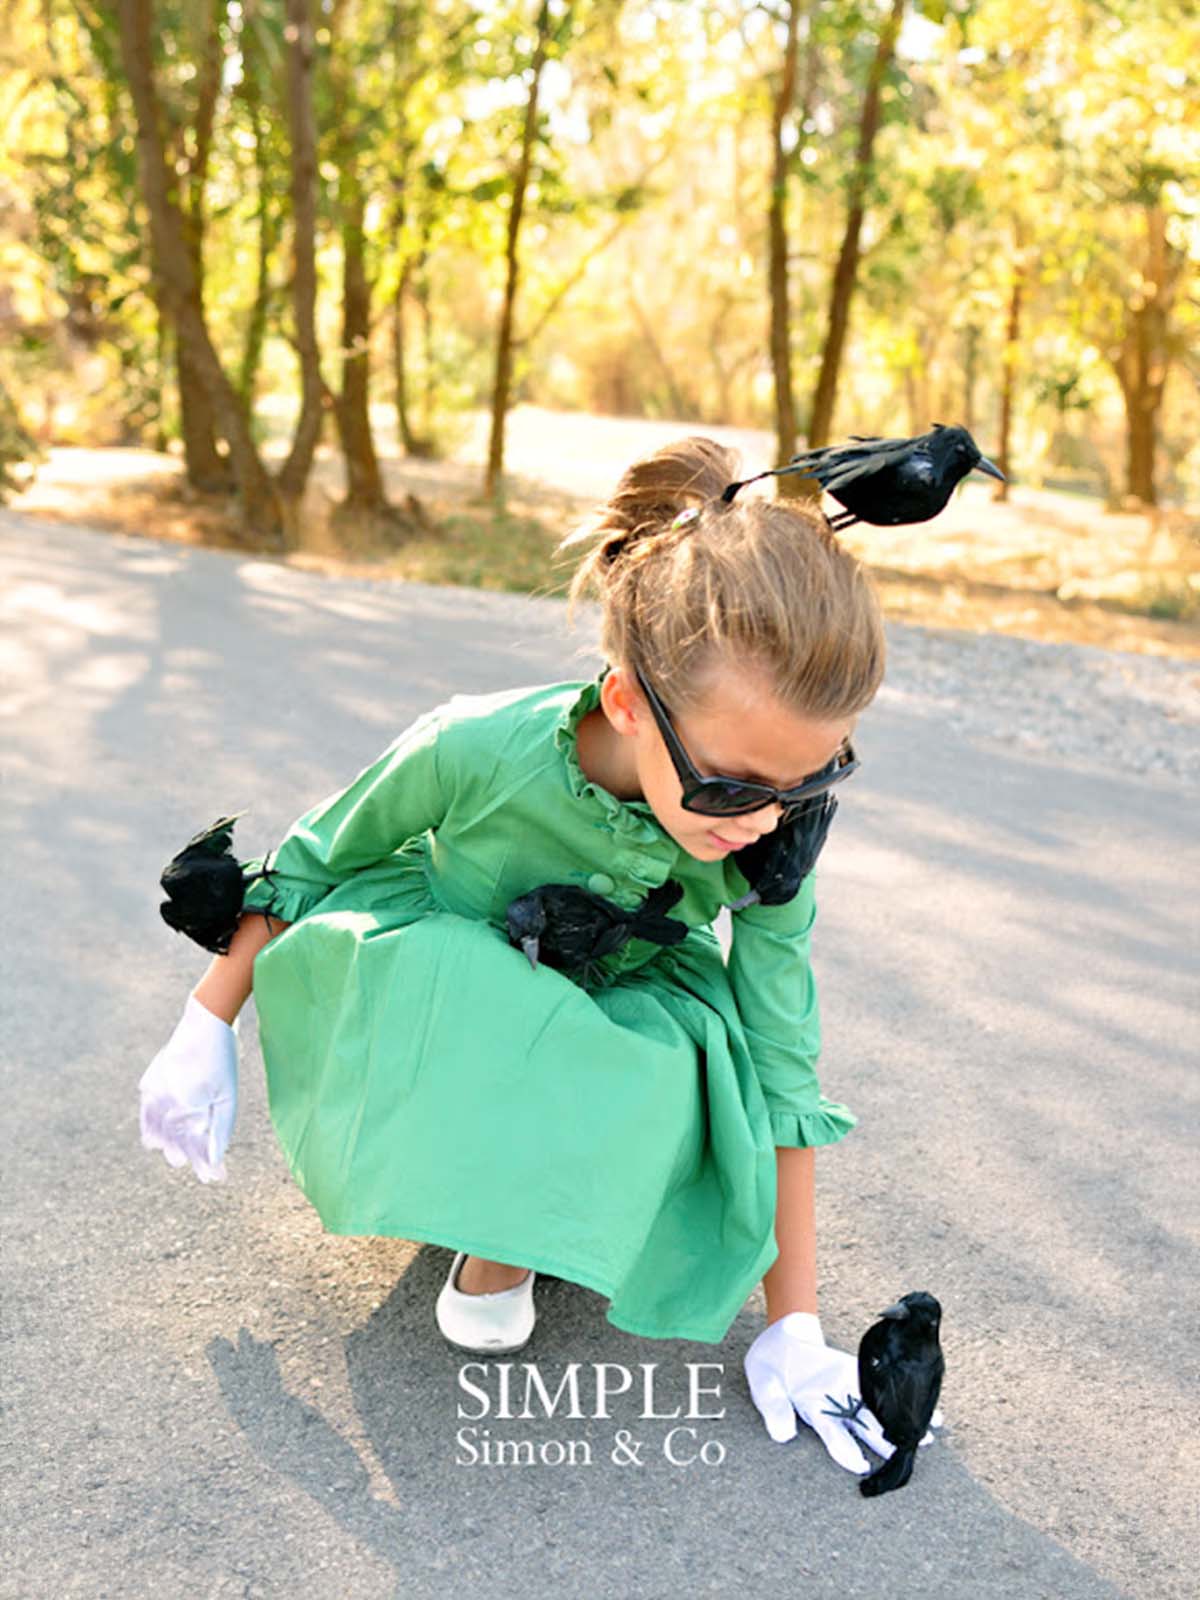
{"x":491,"y":1324}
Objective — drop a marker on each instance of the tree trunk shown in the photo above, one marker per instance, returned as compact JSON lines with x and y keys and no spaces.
{"x":364,"y":485}
{"x":404,"y":428}
{"x":268,"y":220}
{"x":207,"y":468}
{"x":303,"y":127}
{"x":780,"y":331}
{"x":1012,"y":337}
{"x":424,"y":294}
{"x":845,"y":272}
{"x":502,"y":383}
{"x":258,"y":504}
{"x":204,"y":465}
{"x":1143,"y":358}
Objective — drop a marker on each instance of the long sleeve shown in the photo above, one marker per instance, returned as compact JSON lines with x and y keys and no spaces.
{"x":399,"y":795}
{"x":772,"y":981}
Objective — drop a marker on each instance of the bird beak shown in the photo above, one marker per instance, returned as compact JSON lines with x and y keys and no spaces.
{"x":530,"y":947}
{"x":897,"y":1313}
{"x":990,"y":467}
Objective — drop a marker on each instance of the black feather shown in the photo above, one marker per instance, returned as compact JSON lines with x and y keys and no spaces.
{"x":571,"y":928}
{"x":206,"y":888}
{"x":777,"y":864}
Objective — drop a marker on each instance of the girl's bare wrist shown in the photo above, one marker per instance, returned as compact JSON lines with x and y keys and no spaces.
{"x":225,"y":987}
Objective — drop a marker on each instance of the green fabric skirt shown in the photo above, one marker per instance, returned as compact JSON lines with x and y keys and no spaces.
{"x":426,"y":1083}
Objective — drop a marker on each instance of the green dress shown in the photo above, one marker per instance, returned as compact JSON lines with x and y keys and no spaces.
{"x":426,"y":1082}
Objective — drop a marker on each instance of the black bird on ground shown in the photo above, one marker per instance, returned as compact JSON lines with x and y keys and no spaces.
{"x":570,"y":928}
{"x":900,"y":1370}
{"x":888,"y":481}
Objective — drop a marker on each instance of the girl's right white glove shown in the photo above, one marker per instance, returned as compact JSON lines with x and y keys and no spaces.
{"x":189,"y":1093}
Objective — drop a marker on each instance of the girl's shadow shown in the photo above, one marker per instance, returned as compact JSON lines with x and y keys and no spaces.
{"x":456,"y":1509}
{"x":644,"y":1524}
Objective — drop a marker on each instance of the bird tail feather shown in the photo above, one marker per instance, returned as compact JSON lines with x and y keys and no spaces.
{"x":893,"y":1473}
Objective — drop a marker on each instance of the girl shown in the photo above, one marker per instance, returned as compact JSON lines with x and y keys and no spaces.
{"x":644,"y":1126}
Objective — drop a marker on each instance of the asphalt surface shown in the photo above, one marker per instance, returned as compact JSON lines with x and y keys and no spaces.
{"x":206,"y":1396}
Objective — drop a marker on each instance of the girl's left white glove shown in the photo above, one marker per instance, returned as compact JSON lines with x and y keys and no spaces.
{"x":790,"y":1370}
{"x":189,"y":1093}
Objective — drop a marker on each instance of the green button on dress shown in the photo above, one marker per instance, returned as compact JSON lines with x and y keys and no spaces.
{"x":425,"y":1082}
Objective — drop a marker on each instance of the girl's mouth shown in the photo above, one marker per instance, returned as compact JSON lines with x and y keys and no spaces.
{"x":726,"y":844}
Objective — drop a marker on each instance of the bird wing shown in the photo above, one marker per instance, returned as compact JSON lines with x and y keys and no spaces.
{"x":835,"y":466}
{"x":907,"y":1391}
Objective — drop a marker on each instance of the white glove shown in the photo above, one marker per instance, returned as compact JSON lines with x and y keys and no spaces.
{"x":791,"y":1369}
{"x":189,"y":1093}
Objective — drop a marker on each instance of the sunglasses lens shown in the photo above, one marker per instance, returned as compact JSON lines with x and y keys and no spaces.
{"x":720,"y":799}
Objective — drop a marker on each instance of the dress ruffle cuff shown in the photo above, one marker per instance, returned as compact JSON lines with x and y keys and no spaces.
{"x":826,"y":1124}
{"x":272,"y":893}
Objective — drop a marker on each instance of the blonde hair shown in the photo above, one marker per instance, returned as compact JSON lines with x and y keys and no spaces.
{"x":756,"y":584}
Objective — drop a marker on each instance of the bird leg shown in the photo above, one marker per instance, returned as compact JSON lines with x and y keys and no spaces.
{"x":841,"y":519}
{"x":845,"y":1413}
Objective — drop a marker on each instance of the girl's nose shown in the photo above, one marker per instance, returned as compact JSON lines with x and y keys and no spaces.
{"x":756,"y":823}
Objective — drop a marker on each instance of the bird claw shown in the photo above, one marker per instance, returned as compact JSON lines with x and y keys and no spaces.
{"x":845,"y":1413}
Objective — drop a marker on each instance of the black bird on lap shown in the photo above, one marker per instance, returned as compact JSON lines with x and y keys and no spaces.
{"x":570,"y":928}
{"x":888,"y":481}
{"x":900,"y":1370}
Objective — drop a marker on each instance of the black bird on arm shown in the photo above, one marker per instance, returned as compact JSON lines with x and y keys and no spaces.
{"x":206,"y":887}
{"x":900,"y":1370}
{"x":888,"y":481}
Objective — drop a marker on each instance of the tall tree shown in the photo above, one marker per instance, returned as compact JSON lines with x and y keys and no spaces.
{"x":778,"y":288}
{"x":176,"y":271}
{"x":206,"y":468}
{"x":302,"y":123}
{"x":349,"y":114}
{"x":845,"y":272}
{"x":516,"y":209}
{"x":1146,"y":346}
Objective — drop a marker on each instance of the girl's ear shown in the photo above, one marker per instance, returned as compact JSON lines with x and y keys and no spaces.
{"x":621,"y":699}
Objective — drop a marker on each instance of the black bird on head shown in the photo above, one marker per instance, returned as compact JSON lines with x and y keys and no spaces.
{"x":900,"y":1370}
{"x":888,"y":481}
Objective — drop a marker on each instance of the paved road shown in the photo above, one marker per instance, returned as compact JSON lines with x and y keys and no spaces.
{"x":208,"y":1397}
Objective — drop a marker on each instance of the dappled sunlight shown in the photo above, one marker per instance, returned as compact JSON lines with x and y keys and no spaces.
{"x":49,"y":603}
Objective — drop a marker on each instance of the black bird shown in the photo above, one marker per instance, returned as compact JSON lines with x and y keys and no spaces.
{"x":570,"y":928}
{"x":888,"y":481}
{"x":777,"y":864}
{"x":900,"y":1369}
{"x":206,"y":887}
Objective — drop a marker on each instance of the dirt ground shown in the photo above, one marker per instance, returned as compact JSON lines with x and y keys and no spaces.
{"x":1044,"y":565}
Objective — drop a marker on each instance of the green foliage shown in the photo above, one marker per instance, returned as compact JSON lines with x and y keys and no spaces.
{"x":1020,"y":141}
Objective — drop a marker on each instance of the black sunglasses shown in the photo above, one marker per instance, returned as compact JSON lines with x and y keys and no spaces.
{"x":731,"y":797}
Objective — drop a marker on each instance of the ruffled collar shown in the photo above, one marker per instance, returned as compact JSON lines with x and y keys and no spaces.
{"x":635,"y":817}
